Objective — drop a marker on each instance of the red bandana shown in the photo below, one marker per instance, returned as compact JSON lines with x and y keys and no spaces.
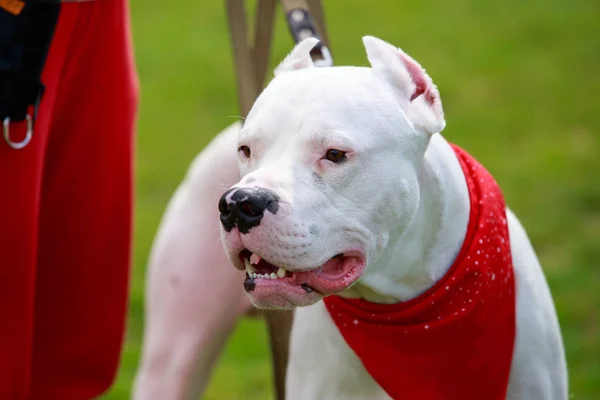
{"x":456,"y":340}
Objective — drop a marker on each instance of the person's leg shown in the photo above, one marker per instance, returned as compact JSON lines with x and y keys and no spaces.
{"x":86,"y":211}
{"x":20,"y":183}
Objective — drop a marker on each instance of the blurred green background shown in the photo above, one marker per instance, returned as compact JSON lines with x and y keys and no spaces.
{"x":519,"y":83}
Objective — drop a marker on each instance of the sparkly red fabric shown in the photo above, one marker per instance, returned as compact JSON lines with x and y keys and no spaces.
{"x":456,"y":340}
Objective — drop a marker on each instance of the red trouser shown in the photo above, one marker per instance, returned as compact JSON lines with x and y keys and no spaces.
{"x":66,"y":215}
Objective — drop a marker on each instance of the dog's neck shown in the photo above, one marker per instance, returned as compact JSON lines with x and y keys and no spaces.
{"x":417,"y":258}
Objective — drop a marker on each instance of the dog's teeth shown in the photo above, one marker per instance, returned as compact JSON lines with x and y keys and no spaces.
{"x":248,"y":266}
{"x":273,"y":275}
{"x":254,"y":259}
{"x":281,"y":273}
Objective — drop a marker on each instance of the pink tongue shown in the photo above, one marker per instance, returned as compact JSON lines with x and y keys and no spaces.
{"x":332,"y":269}
{"x":334,"y":275}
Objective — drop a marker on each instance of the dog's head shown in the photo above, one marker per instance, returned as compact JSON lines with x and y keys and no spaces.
{"x":329,"y":159}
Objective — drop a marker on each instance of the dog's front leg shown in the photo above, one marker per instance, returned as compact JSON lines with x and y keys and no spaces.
{"x":193,"y":296}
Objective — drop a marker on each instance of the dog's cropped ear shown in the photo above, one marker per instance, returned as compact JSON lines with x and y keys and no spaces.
{"x":299,"y":57}
{"x":417,"y":94}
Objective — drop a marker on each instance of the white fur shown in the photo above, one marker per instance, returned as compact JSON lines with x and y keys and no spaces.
{"x":193,"y":297}
{"x":401,"y":198}
{"x":298,"y":58}
{"x":395,"y":66}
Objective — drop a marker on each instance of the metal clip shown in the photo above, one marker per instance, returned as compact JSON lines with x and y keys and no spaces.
{"x":326,"y":61}
{"x":28,"y":135}
{"x":302,"y":26}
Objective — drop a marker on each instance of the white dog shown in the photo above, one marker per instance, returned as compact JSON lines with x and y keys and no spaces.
{"x":411,"y":277}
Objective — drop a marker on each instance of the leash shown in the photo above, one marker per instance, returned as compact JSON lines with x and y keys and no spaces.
{"x":305,"y":18}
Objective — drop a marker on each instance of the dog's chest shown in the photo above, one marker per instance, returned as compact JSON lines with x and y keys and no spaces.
{"x":322,"y":365}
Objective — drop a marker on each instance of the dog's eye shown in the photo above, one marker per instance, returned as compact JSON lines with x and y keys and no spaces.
{"x":335,"y":156}
{"x":245,"y":150}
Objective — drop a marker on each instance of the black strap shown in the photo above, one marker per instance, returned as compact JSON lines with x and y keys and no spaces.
{"x":302,"y":25}
{"x":24,"y":43}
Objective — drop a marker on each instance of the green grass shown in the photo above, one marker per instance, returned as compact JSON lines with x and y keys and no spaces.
{"x":519,"y":81}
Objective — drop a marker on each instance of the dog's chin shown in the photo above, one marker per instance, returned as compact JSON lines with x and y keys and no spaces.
{"x":272,"y":287}
{"x":274,"y":295}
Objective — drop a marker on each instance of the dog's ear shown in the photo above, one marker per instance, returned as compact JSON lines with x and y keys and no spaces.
{"x":417,"y":94}
{"x":299,"y":57}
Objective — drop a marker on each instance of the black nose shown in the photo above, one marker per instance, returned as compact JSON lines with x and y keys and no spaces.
{"x":245,"y":207}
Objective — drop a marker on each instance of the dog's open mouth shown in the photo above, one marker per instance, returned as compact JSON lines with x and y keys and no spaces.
{"x":335,"y":275}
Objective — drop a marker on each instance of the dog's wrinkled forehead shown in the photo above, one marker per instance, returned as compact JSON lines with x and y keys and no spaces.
{"x":339,"y":87}
{"x":340,"y":98}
